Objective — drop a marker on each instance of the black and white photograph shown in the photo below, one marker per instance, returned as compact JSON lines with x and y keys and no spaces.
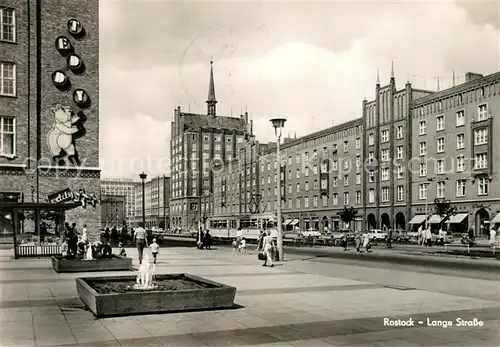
{"x":249,"y":173}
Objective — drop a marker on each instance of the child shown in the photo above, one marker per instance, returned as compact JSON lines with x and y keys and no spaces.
{"x":235,"y":246}
{"x":243,"y":246}
{"x":154,"y":250}
{"x":122,"y":250}
{"x":64,"y":249}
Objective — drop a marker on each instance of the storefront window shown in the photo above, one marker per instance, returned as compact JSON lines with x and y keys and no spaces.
{"x":48,"y":231}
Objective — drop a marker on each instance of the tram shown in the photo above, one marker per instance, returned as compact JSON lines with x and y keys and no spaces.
{"x":248,"y":227}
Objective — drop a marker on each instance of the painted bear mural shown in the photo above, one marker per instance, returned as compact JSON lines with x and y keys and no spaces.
{"x":60,"y":138}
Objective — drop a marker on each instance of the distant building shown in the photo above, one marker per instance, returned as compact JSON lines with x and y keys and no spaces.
{"x":156,"y":202}
{"x":199,"y":141}
{"x":123,"y":189}
{"x":113,"y":211}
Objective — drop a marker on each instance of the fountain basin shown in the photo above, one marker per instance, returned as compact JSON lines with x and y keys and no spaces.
{"x":115,"y":295}
{"x":116,"y":263}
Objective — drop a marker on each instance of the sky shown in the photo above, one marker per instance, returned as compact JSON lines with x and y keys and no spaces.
{"x":309,"y":62}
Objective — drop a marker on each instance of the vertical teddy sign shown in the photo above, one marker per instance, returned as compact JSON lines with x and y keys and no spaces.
{"x":68,"y":120}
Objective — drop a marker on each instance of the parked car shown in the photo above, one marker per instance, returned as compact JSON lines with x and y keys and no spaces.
{"x":337,"y":236}
{"x":311,"y":233}
{"x":377,"y":235}
{"x":400,"y":236}
{"x":413,"y":235}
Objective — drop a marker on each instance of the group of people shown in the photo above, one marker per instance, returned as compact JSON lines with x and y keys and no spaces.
{"x":141,"y":242}
{"x":204,"y":239}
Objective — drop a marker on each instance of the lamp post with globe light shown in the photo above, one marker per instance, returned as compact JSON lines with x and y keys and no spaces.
{"x":143,"y":177}
{"x":278,"y":124}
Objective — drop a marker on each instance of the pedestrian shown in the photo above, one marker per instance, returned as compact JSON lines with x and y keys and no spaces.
{"x":235,"y":246}
{"x":123,"y":253}
{"x":154,"y":250}
{"x":64,"y":249}
{"x":140,"y":240}
{"x":268,"y":246}
{"x":114,"y":235}
{"x":366,"y":242}
{"x":493,"y":237}
{"x":388,"y":240}
{"x":428,"y":237}
{"x":199,"y":243}
{"x":358,"y":243}
{"x":260,"y":239}
{"x":207,"y":240}
{"x":344,"y":241}
{"x":243,"y":246}
{"x":72,"y":239}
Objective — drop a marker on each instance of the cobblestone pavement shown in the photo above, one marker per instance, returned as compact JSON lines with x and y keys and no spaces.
{"x":298,"y":303}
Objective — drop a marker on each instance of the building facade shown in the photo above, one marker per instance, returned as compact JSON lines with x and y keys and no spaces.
{"x":456,"y":152}
{"x":156,"y":202}
{"x":117,"y":187}
{"x":113,"y":211}
{"x":198,"y":142}
{"x":409,"y":148}
{"x":49,"y":104}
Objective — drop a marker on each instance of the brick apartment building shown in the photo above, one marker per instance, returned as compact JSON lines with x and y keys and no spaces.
{"x":156,"y":202}
{"x":410,"y":147}
{"x":49,"y":73}
{"x":199,"y":141}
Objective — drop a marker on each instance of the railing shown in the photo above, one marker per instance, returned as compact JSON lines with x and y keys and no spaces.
{"x":34,"y":250}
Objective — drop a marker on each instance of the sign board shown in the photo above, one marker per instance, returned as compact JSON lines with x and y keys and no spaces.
{"x":62,"y":196}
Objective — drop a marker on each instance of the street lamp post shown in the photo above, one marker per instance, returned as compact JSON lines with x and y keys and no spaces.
{"x":143,"y":177}
{"x":278,"y":124}
{"x":427,"y":182}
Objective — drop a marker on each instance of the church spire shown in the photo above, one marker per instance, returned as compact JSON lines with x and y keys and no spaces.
{"x":378,"y":78}
{"x":453,"y":82}
{"x":392,"y":69}
{"x":211,"y":102}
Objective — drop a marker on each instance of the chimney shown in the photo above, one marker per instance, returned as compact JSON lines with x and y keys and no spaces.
{"x":470,"y":76}
{"x":246,"y":117}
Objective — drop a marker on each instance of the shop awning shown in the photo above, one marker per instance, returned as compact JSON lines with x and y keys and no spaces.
{"x":435,"y":219}
{"x":294,"y":222}
{"x":287,"y":221}
{"x":496,"y":219}
{"x":41,"y":205}
{"x":458,"y":218}
{"x":418,"y":219}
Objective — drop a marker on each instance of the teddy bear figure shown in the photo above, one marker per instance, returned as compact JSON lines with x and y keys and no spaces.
{"x":60,"y":137}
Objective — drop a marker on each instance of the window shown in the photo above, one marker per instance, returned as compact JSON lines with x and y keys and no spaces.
{"x":315,"y":169}
{"x":480,"y":136}
{"x":346,"y":198}
{"x":306,"y":172}
{"x":306,"y":157}
{"x":423,"y":148}
{"x":306,"y":186}
{"x":325,"y":151}
{"x":290,"y":189}
{"x":289,"y":160}
{"x":306,"y":202}
{"x":315,"y":154}
{"x":460,"y":118}
{"x":460,"y":188}
{"x":346,"y":146}
{"x":460,"y":163}
{"x":423,"y":169}
{"x":346,"y":164}
{"x":335,"y":181}
{"x":358,"y":198}
{"x":358,"y":178}
{"x":482,"y":112}
{"x":324,"y":200}
{"x":460,"y":141}
{"x":422,"y":127}
{"x":7,"y":79}
{"x":297,"y":174}
{"x":275,"y":191}
{"x":371,"y":176}
{"x":335,"y":165}
{"x":480,"y":161}
{"x":440,"y":166}
{"x":7,"y":136}
{"x":385,"y":155}
{"x":324,"y":183}
{"x":440,"y":145}
{"x":7,"y":24}
{"x":297,"y":158}
{"x":371,"y":158}
{"x":268,"y":165}
{"x":371,"y":140}
{"x":268,"y":179}
{"x":440,"y":190}
{"x":400,"y":172}
{"x":385,"y":174}
{"x":289,"y":174}
{"x":324,"y":167}
{"x":315,"y":201}
{"x":440,"y":123}
{"x":385,"y":194}
{"x":297,"y":202}
{"x":384,"y":136}
{"x":298,"y":187}
{"x":335,"y":199}
{"x":346,"y":180}
{"x":422,"y":191}
{"x":358,"y":143}
{"x":334,"y":148}
{"x":482,"y":186}
{"x":399,"y":132}
{"x":399,"y":152}
{"x":401,"y":193}
{"x":371,"y":196}
{"x":289,"y":203}
{"x":358,"y":161}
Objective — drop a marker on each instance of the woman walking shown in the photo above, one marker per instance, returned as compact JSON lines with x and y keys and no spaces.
{"x":268,"y":246}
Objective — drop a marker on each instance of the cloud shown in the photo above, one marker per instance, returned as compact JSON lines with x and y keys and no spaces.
{"x":310,"y":63}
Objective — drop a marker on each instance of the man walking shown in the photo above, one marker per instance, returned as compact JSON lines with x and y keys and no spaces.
{"x":140,"y":240}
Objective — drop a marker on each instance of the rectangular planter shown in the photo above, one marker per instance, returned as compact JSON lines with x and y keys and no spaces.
{"x":218,"y":296}
{"x":116,"y":263}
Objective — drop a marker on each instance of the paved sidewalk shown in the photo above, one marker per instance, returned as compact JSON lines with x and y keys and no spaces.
{"x":289,"y":305}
